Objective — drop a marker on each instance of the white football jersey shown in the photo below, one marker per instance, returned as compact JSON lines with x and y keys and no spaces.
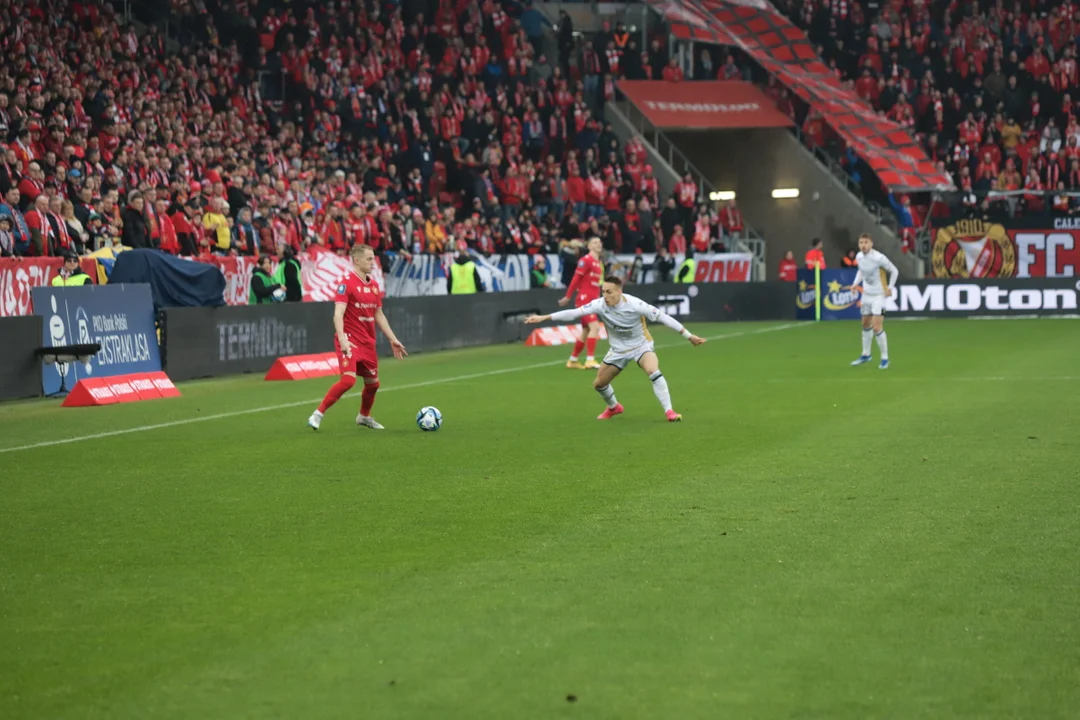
{"x":625,"y":322}
{"x":872,"y":268}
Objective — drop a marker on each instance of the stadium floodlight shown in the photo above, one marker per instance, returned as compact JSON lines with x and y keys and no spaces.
{"x":718,"y":195}
{"x":785,"y":193}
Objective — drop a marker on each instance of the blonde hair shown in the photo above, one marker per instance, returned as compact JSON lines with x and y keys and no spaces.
{"x":359,"y":251}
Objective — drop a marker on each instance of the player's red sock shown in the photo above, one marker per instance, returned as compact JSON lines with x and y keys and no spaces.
{"x":578,"y":347}
{"x":367,"y":399}
{"x":342,"y":386}
{"x":591,"y":343}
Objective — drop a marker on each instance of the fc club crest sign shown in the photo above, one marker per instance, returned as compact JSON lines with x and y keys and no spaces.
{"x":973,"y":249}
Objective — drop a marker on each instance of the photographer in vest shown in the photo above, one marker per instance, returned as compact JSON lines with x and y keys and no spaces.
{"x":71,"y":274}
{"x":463,"y":278}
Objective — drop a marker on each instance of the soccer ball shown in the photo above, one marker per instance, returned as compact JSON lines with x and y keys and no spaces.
{"x":429,"y":419}
{"x":279,"y":295}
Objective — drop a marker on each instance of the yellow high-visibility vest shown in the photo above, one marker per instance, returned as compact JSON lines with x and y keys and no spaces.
{"x":71,"y":281}
{"x":688,"y":263}
{"x":464,"y":278}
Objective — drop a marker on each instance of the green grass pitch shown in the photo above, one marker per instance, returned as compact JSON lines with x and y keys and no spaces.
{"x":813,"y":541}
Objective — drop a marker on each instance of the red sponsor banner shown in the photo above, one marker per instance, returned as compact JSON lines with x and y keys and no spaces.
{"x":558,"y":335}
{"x":321,"y":272}
{"x":303,"y":367}
{"x":237,"y":272}
{"x":977,"y":248}
{"x":733,"y":267}
{"x":708,"y":105}
{"x":19,"y":275}
{"x":91,"y":392}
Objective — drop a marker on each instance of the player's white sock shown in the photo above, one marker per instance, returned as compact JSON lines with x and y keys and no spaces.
{"x":573,"y":358}
{"x":590,"y":358}
{"x":867,"y":335}
{"x":608,"y":393}
{"x":317,"y":414}
{"x":659,"y":386}
{"x":883,"y":345}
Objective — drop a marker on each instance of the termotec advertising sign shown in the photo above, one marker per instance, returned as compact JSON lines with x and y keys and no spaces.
{"x":957,"y":298}
{"x":118,"y":317}
{"x":705,"y":105}
{"x":207,"y":342}
{"x":1034,"y":296}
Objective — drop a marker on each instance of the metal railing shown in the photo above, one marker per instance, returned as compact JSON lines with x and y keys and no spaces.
{"x":844,"y":180}
{"x":749,"y":241}
{"x":589,"y":16}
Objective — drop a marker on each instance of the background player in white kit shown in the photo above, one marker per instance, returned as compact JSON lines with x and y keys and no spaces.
{"x":872,"y":268}
{"x":630,"y":341}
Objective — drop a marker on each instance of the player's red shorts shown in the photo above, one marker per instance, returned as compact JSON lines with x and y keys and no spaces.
{"x":363,"y":361}
{"x":584,"y":300}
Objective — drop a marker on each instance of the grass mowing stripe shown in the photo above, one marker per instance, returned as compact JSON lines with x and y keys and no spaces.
{"x":943,"y":378}
{"x":299,"y":403}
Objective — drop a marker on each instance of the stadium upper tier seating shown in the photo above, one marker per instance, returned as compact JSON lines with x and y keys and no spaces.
{"x":259,"y":125}
{"x":989,"y":88}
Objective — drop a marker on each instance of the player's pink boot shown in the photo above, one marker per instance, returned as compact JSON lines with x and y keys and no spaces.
{"x":611,"y":412}
{"x":673,"y":416}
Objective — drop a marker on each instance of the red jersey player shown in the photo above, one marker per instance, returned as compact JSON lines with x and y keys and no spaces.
{"x":588,"y":277}
{"x":357,"y":311}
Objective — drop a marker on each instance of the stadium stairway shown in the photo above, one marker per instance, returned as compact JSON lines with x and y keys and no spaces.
{"x":753,"y":162}
{"x":670,"y":164}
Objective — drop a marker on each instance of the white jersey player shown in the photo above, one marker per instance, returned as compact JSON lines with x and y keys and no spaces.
{"x":625,"y":316}
{"x":875,"y":288}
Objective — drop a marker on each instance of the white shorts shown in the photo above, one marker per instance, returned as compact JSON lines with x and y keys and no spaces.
{"x":622,"y":359}
{"x":873,"y":305}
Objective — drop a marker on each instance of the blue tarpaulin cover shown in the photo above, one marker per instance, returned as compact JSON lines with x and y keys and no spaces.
{"x":174,"y":282}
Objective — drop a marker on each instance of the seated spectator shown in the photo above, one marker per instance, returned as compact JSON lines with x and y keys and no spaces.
{"x":7,"y":237}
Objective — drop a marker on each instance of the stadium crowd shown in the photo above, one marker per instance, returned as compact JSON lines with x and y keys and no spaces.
{"x":990,"y":89}
{"x":426,"y":127}
{"x":440,"y":125}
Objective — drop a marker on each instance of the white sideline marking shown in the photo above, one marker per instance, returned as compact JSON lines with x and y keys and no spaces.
{"x":410,"y":386}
